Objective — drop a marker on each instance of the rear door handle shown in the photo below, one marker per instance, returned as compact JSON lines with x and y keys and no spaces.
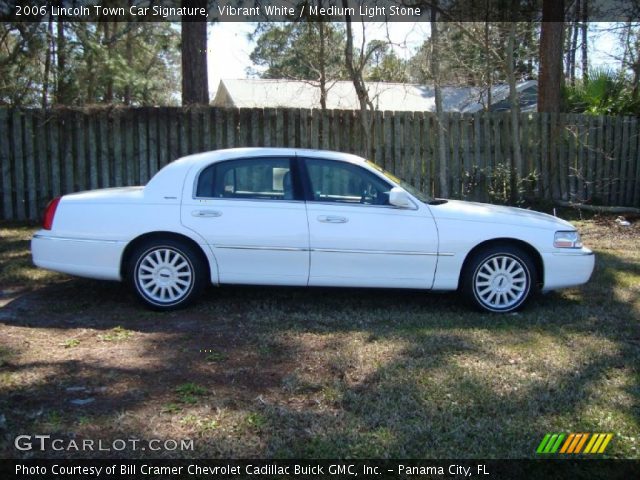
{"x":332,"y":219}
{"x":206,"y":213}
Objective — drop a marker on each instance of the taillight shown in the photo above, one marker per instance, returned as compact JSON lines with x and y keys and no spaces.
{"x":49,"y":213}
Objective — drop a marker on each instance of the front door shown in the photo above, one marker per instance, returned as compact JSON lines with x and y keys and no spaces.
{"x":357,"y":238}
{"x":255,"y":220}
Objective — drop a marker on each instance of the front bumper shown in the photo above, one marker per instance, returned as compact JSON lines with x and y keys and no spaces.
{"x":567,"y":269}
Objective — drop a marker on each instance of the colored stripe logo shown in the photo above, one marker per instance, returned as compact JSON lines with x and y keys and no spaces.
{"x":574,"y":443}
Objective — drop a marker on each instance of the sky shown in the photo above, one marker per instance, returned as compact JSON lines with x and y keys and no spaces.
{"x":229,"y":46}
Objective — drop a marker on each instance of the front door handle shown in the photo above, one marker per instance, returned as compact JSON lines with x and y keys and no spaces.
{"x":206,"y":213}
{"x":332,"y":219}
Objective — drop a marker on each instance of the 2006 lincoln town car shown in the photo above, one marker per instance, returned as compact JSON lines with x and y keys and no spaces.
{"x":300,"y":217}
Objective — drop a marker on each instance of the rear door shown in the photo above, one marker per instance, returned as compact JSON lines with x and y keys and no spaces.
{"x":251,"y":212}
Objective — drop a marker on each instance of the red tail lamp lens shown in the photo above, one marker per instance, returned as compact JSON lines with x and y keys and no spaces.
{"x":50,"y":212}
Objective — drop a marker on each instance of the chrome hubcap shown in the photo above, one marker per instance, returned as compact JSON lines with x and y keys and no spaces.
{"x":164,"y":275}
{"x":501,"y":282}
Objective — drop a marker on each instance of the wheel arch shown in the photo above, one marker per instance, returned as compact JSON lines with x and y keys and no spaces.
{"x":536,"y":258}
{"x":164,"y":235}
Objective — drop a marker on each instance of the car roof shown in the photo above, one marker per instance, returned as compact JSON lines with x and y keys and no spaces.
{"x":165,"y":180}
{"x":230,"y":153}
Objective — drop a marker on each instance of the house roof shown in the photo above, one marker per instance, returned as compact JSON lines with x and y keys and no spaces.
{"x":278,"y":93}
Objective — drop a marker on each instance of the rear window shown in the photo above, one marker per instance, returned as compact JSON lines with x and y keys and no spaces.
{"x":253,"y":178}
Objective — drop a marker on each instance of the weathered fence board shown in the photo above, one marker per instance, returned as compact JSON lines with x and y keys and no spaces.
{"x":30,"y":167}
{"x":5,"y":162}
{"x":634,"y":167}
{"x":18,"y":166}
{"x":92,"y":145}
{"x":42,"y":158}
{"x":564,"y":157}
{"x":631,"y":162}
{"x":624,"y":163}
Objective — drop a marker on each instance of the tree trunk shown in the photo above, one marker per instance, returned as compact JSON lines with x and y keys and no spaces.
{"x":531,"y":38}
{"x":90,"y":91}
{"x":323,"y":72}
{"x":625,"y":51}
{"x":129,"y":58}
{"x":354,"y":71}
{"x":585,"y":28}
{"x":514,"y":100}
{"x":435,"y":72}
{"x":356,"y":74}
{"x":574,"y":43}
{"x":631,"y":60}
{"x":108,"y":94}
{"x":195,"y":84}
{"x":597,"y":208}
{"x":550,"y":78}
{"x":489,"y":71}
{"x":567,"y":49}
{"x":635,"y":82}
{"x":61,"y":96}
{"x":47,"y":64}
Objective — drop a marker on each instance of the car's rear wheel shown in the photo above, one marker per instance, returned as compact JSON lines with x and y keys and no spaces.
{"x":500,"y":278}
{"x":166,"y":274}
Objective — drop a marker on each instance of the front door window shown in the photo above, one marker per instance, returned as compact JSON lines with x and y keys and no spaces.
{"x":340,"y":182}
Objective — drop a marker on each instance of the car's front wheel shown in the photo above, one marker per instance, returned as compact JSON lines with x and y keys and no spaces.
{"x":166,"y":274}
{"x":499,"y":278}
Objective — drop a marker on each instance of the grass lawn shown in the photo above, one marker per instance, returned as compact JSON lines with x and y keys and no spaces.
{"x":288,"y":372}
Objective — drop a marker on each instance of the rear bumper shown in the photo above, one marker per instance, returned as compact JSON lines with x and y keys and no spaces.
{"x":567,"y":269}
{"x":89,"y":258}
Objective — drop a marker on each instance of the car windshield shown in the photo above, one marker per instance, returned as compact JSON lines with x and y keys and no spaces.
{"x":423,"y":197}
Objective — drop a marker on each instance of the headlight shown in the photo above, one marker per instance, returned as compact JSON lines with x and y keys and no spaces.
{"x":567,"y":240}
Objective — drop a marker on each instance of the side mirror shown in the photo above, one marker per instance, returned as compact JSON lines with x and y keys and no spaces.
{"x":399,"y":198}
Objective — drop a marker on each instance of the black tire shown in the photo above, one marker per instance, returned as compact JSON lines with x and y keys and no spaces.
{"x":499,"y":279}
{"x":177,"y":278}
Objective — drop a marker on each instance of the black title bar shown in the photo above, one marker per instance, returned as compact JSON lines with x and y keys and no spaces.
{"x":319,"y":469}
{"x":312,"y":10}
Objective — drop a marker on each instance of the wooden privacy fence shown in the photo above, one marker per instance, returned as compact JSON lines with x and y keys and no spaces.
{"x":564,"y":157}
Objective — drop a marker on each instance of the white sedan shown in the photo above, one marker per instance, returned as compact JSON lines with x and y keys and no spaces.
{"x":267,"y":216}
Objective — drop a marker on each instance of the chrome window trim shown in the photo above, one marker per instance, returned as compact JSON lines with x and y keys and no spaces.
{"x":334,"y":250}
{"x":194,"y":189}
{"x":310,"y":202}
{"x":374,"y":252}
{"x":313,"y":202}
{"x":369,"y":170}
{"x":218,"y":199}
{"x":353,"y":165}
{"x":251,"y":247}
{"x":346,"y":204}
{"x":69,"y":239}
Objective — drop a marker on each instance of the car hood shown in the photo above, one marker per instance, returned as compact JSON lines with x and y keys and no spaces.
{"x":487,"y":213}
